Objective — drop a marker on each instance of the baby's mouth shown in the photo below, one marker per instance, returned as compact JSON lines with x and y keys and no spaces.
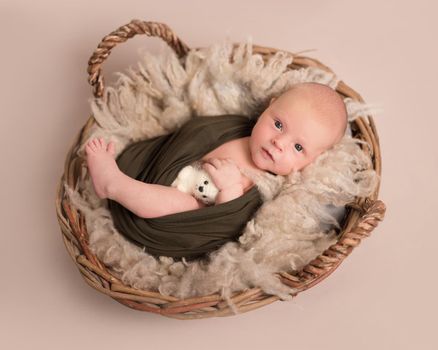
{"x":268,"y":154}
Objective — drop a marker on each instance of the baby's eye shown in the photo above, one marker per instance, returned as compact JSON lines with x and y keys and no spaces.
{"x":298,"y":147}
{"x":278,"y":124}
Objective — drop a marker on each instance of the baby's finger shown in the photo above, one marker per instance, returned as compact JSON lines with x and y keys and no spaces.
{"x":216,"y":162}
{"x":209,"y":168}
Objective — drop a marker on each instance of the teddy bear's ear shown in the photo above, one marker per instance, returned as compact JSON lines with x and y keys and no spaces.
{"x":186,"y":172}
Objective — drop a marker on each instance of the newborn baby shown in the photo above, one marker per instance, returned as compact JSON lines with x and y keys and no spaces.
{"x":297,"y":126}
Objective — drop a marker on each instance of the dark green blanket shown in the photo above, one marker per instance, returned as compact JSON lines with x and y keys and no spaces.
{"x":190,"y":234}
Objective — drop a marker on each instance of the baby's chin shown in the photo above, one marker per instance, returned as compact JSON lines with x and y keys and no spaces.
{"x":260,"y":165}
{"x":257,"y":163}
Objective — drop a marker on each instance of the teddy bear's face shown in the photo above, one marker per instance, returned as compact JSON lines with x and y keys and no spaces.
{"x":205,"y":190}
{"x":198,"y":183}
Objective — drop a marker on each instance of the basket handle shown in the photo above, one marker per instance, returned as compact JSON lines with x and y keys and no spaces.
{"x":122,"y":34}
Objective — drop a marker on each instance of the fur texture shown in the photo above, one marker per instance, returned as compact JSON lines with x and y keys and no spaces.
{"x":291,"y":228}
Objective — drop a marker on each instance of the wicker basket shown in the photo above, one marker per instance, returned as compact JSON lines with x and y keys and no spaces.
{"x":361,"y":217}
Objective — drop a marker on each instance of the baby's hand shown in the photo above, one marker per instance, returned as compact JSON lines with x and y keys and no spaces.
{"x":224,"y":172}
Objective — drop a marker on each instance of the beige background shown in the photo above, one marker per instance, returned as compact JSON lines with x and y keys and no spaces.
{"x":382,"y":297}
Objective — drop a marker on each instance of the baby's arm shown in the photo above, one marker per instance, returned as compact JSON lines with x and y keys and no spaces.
{"x":227,"y":178}
{"x":152,"y":200}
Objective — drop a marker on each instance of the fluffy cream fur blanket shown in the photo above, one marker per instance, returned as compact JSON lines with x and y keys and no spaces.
{"x":291,"y":228}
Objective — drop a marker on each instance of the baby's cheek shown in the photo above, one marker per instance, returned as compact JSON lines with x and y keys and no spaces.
{"x":307,"y":162}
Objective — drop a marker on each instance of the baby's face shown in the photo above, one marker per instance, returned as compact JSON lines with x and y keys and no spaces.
{"x":290,"y":134}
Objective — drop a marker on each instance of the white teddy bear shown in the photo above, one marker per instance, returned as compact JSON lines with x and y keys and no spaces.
{"x":197,"y":182}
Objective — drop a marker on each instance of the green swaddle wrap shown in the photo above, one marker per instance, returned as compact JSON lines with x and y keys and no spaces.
{"x":190,"y":234}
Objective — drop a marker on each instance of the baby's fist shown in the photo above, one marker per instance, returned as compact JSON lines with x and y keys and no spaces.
{"x":224,"y":172}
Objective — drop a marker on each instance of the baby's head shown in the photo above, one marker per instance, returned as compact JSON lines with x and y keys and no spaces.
{"x":299,"y":125}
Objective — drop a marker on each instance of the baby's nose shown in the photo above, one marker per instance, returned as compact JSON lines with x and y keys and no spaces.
{"x":279,"y":144}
